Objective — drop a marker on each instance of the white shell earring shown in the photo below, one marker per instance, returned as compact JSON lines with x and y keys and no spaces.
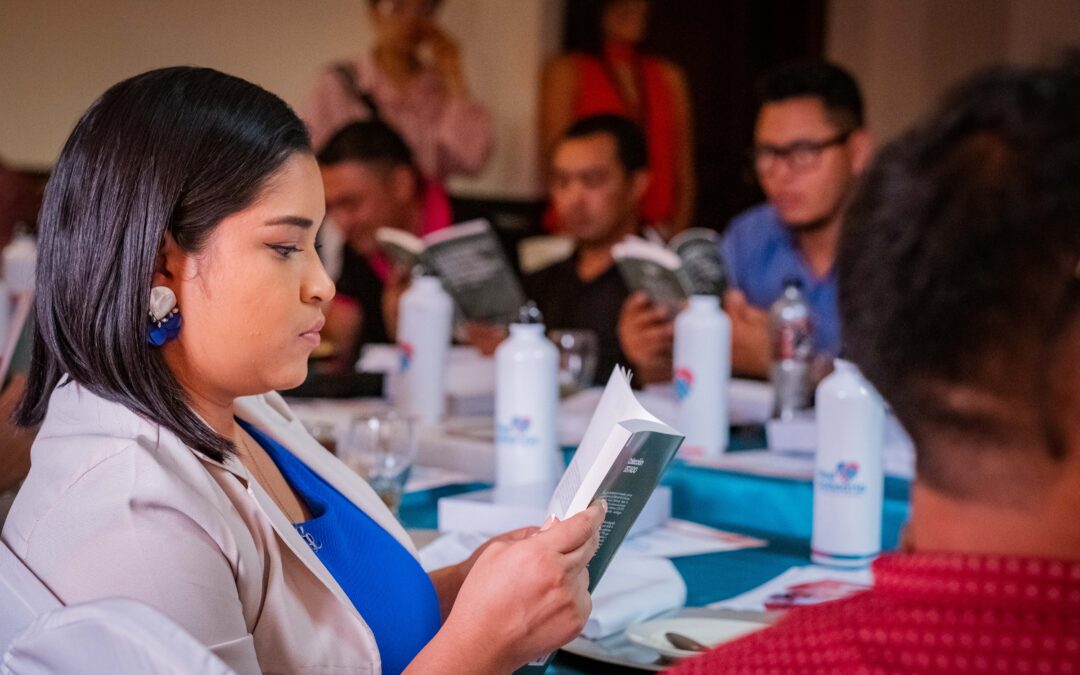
{"x":165,"y":321}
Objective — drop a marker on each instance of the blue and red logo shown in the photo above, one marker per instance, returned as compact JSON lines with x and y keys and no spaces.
{"x":684,"y":383}
{"x":842,"y":479}
{"x":845,"y":471}
{"x":407,"y":354}
{"x":520,"y":425}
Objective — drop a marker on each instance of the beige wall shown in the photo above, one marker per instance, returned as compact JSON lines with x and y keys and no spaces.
{"x":56,"y":56}
{"x":906,"y":53}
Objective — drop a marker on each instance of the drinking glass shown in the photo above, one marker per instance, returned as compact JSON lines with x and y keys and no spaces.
{"x":577,"y":359}
{"x":325,"y":433}
{"x":381,"y":447}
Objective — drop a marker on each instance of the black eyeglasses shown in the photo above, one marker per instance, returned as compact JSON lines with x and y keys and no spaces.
{"x":799,"y":156}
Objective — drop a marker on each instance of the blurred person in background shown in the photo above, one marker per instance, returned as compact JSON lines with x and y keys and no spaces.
{"x":810,"y":146}
{"x":371,"y":182}
{"x":959,"y":279}
{"x":611,"y":75}
{"x":412,"y":79}
{"x":598,"y":174}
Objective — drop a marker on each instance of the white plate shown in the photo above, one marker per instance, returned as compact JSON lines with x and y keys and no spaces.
{"x":709,"y":631}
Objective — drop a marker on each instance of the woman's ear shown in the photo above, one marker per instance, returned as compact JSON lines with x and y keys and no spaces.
{"x":169,"y":262}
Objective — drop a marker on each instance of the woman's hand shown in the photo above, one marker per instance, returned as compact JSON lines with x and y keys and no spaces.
{"x":448,"y":580}
{"x":521,"y":600}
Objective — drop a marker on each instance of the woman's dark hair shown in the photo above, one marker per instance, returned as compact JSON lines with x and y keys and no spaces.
{"x":173,"y":150}
{"x":584,"y":29}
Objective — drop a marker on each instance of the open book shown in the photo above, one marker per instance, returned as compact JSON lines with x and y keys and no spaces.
{"x":689,"y":265}
{"x":621,"y":459}
{"x":470,"y":262}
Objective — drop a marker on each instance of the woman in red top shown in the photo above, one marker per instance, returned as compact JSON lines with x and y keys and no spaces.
{"x":614,"y":77}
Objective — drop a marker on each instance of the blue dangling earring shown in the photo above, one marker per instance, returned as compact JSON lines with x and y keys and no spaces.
{"x":165,"y":318}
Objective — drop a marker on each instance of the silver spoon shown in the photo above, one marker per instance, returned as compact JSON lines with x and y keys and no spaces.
{"x":685,"y":642}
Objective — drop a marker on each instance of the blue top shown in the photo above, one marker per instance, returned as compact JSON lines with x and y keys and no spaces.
{"x":383,"y":580}
{"x":760,"y":253}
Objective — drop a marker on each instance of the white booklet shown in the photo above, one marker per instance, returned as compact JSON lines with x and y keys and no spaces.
{"x":690,"y":264}
{"x":621,"y":459}
{"x":470,"y":262}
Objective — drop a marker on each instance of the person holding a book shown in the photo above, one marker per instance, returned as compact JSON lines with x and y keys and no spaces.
{"x":810,"y":146}
{"x":598,"y":176}
{"x":167,"y":470}
{"x":960,"y":301}
{"x":371,"y":182}
{"x":608,"y":72}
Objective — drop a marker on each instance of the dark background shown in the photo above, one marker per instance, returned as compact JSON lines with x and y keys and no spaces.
{"x":723,"y":46}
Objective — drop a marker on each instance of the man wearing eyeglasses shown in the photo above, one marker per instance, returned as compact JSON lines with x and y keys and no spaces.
{"x":810,"y":146}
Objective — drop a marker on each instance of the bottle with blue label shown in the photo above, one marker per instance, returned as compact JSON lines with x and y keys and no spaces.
{"x":423,"y":333}
{"x":849,"y":477}
{"x":526,"y":400}
{"x":702,"y":362}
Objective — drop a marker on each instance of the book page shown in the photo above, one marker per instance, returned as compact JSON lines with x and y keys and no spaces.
{"x":474,"y":269}
{"x":401,"y":247}
{"x":699,"y":251}
{"x":617,"y":416}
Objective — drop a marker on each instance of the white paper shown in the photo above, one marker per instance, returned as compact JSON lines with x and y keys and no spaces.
{"x":754,"y":600}
{"x":678,"y":538}
{"x":633,"y":589}
{"x":450,"y":549}
{"x":429,"y":477}
{"x":789,"y":465}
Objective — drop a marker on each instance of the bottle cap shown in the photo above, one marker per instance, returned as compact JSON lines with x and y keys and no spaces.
{"x":530,"y":314}
{"x":705,"y":302}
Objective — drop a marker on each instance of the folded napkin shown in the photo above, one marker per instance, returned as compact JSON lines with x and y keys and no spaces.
{"x":633,"y":589}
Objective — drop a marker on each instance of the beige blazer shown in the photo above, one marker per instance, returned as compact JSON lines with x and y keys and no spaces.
{"x":117,"y":506}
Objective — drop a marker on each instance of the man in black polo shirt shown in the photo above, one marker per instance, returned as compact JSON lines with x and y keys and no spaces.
{"x":598,"y":176}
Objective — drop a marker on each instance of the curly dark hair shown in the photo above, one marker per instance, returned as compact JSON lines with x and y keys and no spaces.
{"x":958,"y":269}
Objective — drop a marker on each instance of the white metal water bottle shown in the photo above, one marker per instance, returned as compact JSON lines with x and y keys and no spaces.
{"x":526,"y":398}
{"x":849,"y":479}
{"x":702,"y":372}
{"x":423,"y":333}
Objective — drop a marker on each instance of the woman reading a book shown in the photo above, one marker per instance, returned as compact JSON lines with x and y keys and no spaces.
{"x":178,"y":287}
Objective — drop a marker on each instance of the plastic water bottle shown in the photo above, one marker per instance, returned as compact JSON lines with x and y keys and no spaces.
{"x":423,"y":332}
{"x":792,"y":344}
{"x":20,"y":263}
{"x":702,"y":372}
{"x":848,"y":475}
{"x":526,"y":399}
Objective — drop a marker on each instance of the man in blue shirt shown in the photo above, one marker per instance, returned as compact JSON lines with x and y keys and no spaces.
{"x":810,"y":146}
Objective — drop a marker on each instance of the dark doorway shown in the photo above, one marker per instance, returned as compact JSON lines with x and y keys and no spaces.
{"x":723,"y":46}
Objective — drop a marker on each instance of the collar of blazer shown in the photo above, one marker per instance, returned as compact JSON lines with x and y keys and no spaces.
{"x":85,"y":413}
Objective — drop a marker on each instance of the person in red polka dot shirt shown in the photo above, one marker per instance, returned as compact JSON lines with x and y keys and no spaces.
{"x":959,"y":282}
